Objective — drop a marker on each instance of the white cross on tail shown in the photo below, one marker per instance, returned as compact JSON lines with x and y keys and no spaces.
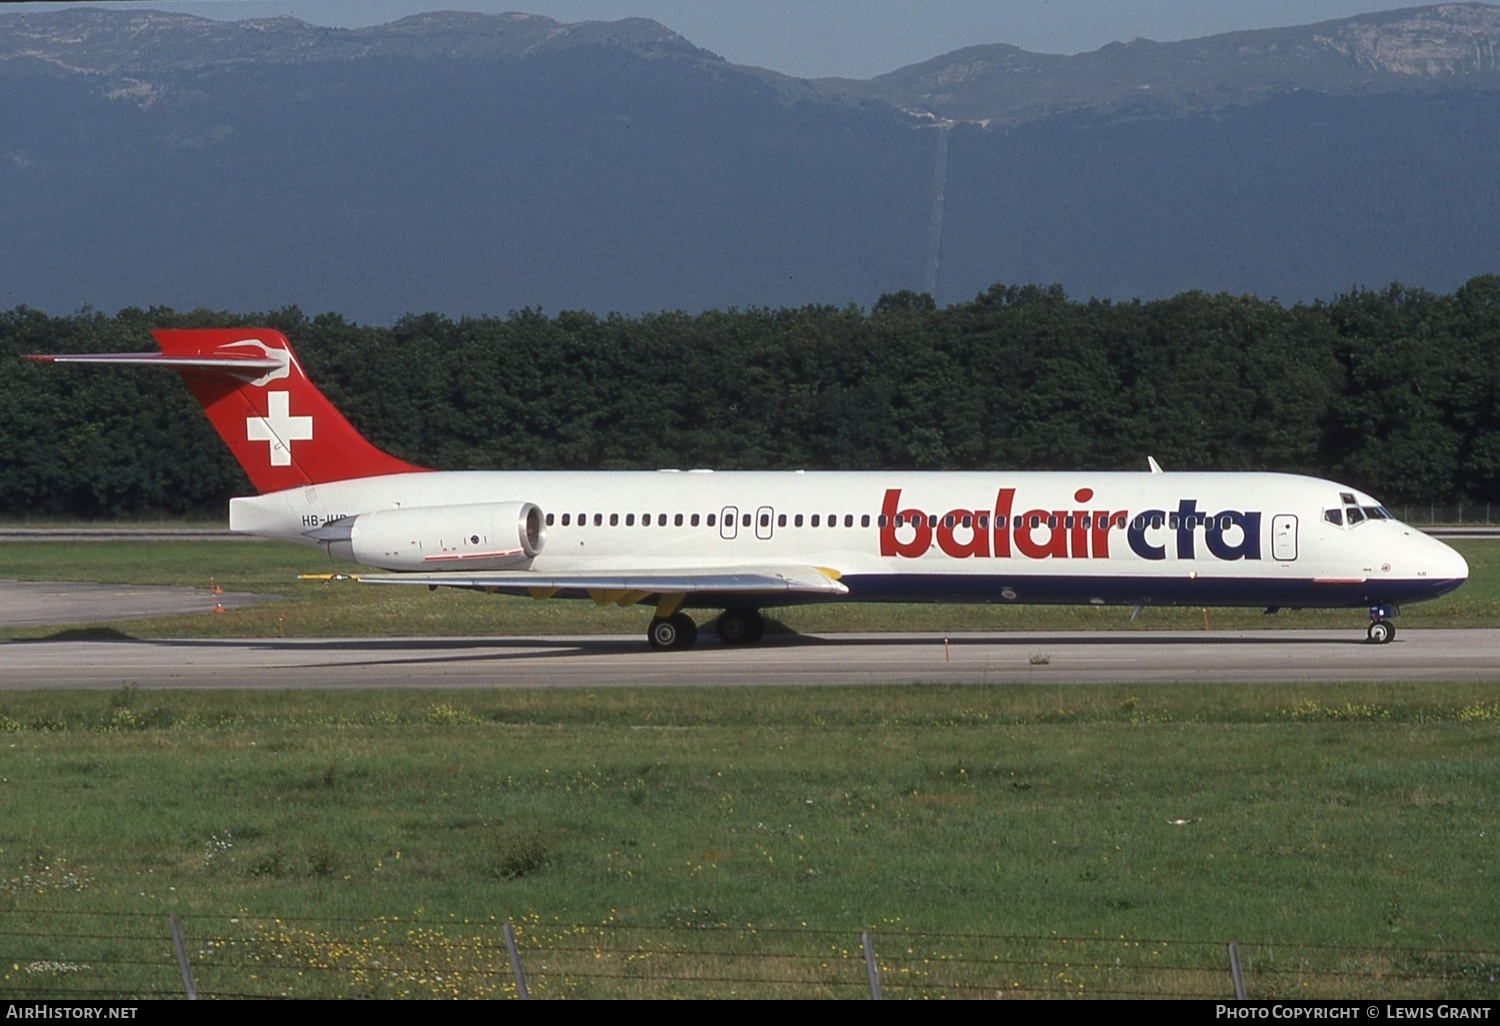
{"x":279,"y":428}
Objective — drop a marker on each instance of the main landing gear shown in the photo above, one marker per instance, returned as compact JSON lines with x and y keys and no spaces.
{"x":675,"y":631}
{"x":1381,"y":631}
{"x":740,"y":626}
{"x":734,"y":627}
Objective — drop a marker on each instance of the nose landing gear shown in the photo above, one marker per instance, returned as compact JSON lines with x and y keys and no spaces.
{"x":1381,"y":631}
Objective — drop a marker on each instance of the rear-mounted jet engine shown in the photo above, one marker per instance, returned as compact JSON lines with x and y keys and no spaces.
{"x":484,"y":536}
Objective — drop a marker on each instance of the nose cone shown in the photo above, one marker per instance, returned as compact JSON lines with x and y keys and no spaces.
{"x":1441,"y":567}
{"x":1450,"y":565}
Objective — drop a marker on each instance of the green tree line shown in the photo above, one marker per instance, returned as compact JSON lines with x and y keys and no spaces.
{"x":1395,"y":391}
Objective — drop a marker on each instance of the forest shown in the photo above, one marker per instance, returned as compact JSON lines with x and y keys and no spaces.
{"x":1395,"y":391}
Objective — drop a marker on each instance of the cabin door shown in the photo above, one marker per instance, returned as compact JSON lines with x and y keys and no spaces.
{"x":1284,"y":537}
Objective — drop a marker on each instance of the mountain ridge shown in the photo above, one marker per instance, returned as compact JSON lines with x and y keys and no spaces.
{"x":1444,"y":45}
{"x":111,"y":42}
{"x":1455,"y":44}
{"x":475,"y":164}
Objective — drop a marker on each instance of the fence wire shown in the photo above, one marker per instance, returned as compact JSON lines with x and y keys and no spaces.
{"x":74,"y":955}
{"x":1430,"y":515}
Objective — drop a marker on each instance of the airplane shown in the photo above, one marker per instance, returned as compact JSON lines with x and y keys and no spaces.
{"x":742,"y":541}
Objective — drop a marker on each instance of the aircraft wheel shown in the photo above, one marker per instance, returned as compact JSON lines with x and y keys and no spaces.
{"x":676,"y":631}
{"x":1381,"y":632}
{"x":741,"y":626}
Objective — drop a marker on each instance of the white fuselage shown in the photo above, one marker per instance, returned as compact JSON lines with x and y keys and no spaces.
{"x":1103,"y":538}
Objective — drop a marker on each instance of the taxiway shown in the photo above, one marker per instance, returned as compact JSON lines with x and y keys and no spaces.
{"x":1261,"y":656}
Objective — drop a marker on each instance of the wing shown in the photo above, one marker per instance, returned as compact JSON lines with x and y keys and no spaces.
{"x":627,"y":587}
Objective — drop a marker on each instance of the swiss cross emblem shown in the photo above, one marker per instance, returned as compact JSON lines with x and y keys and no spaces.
{"x":279,"y":428}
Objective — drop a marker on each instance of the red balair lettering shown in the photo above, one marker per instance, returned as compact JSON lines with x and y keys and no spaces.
{"x":962,"y":534}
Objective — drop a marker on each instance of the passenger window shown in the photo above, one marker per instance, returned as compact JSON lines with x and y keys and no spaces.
{"x":614,"y":520}
{"x":745,"y":521}
{"x":817,"y":521}
{"x":583,"y":520}
{"x":677,"y":520}
{"x":781,"y":520}
{"x":694,"y":521}
{"x":864,"y":521}
{"x":629,"y":519}
{"x":797,"y":520}
{"x":566,"y":518}
{"x":848,"y":519}
{"x":710,"y":519}
{"x":833,"y":520}
{"x":549,"y":519}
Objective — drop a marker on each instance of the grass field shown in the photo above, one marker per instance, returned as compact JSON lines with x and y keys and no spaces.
{"x":1282,"y":817}
{"x":347,"y":609}
{"x":717,"y":841}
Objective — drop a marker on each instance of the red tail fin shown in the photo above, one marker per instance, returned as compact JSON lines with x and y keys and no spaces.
{"x":283,"y":431}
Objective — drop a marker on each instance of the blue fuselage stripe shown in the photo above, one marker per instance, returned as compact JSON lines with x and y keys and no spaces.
{"x":1115,"y":591}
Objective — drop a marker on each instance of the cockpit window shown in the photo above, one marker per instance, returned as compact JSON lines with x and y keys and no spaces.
{"x":1378,"y":513}
{"x":1334,"y":517}
{"x":1348,"y":498}
{"x":1354,"y":515}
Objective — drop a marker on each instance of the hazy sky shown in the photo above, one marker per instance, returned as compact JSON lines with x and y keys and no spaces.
{"x":852,"y":38}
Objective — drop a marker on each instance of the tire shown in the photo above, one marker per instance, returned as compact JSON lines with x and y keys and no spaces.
{"x":1381,"y":632}
{"x":741,"y":626}
{"x":675,"y":632}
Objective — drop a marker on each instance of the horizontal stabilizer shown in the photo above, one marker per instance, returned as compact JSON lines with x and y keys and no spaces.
{"x":244,"y":366}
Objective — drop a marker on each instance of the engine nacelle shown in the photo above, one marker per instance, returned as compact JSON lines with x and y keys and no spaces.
{"x":483,"y":536}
